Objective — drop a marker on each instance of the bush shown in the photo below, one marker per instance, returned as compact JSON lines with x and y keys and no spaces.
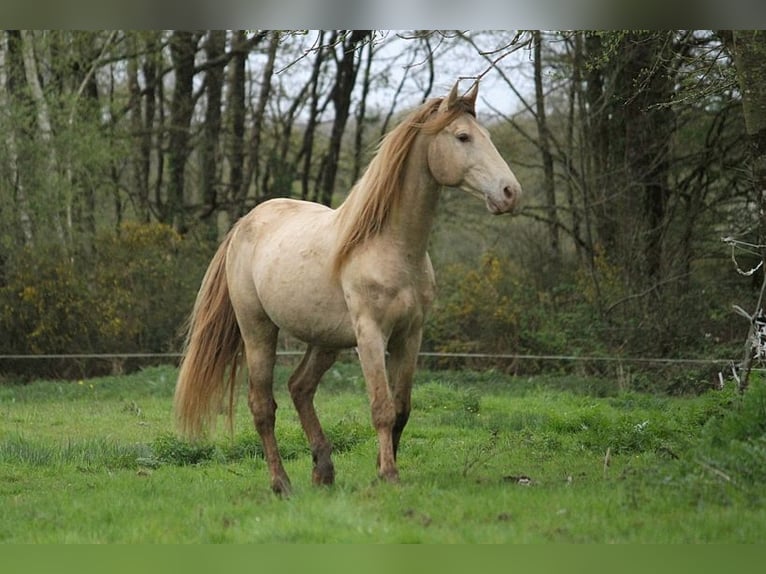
{"x":170,"y":449}
{"x":131,"y":295}
{"x":145,"y":282}
{"x":728,"y":458}
{"x":475,"y":311}
{"x":46,"y":305}
{"x":496,"y":307}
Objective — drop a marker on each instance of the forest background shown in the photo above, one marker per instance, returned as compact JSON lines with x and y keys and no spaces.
{"x":125,"y":156}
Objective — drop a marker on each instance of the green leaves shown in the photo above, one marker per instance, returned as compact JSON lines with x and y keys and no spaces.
{"x":131,"y":295}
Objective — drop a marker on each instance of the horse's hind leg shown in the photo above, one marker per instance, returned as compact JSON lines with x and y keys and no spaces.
{"x":303,"y":384}
{"x":260,"y":350}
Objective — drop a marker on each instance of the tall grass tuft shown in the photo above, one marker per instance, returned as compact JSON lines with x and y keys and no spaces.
{"x":89,"y":453}
{"x":733,"y":444}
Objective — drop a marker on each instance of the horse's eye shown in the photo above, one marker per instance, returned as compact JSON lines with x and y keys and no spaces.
{"x":463,"y":137}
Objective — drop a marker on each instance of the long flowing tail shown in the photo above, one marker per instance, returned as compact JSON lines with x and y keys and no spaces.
{"x":213,"y":344}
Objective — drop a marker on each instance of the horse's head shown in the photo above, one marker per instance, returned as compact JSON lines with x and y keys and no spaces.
{"x":461,"y":154}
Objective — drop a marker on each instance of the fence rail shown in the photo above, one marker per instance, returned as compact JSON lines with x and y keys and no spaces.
{"x":427,"y":354}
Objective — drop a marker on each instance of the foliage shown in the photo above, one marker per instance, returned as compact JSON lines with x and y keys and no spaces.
{"x":734,"y":442}
{"x":147,"y":277}
{"x":644,"y":133}
{"x":497,"y":306}
{"x":45,"y":307}
{"x":475,"y":306}
{"x":170,"y":449}
{"x":131,"y":295}
{"x":494,"y":307}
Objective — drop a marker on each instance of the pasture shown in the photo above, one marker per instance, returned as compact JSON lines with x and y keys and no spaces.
{"x":486,"y":457}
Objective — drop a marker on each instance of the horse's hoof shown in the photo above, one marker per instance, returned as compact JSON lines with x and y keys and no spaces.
{"x":323,"y":477}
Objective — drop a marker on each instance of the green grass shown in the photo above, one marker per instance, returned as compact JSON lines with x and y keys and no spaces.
{"x":486,"y":458}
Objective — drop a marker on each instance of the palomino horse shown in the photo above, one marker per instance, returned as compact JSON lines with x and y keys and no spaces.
{"x":358,"y":275}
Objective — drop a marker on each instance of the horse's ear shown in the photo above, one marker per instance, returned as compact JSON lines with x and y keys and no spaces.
{"x":450,"y":100}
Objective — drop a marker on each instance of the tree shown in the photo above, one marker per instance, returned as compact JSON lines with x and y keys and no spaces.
{"x":543,"y":136}
{"x":9,"y":78}
{"x":145,"y":109}
{"x":235,"y":140}
{"x":628,"y":142}
{"x":315,"y":109}
{"x":183,"y":49}
{"x":748,"y":48}
{"x":215,"y":45}
{"x":347,"y":66}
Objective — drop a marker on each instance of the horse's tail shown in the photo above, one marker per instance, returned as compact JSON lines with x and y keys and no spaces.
{"x":213,"y":344}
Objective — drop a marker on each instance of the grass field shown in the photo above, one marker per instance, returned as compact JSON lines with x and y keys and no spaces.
{"x":486,"y":458}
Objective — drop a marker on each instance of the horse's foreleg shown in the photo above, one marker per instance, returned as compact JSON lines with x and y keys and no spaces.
{"x":261,"y":355}
{"x":402,"y":363}
{"x":303,"y":384}
{"x":372,"y":354}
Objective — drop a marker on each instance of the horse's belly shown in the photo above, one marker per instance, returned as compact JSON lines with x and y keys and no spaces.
{"x":329,"y":336}
{"x":314,"y":320}
{"x":306,"y":304}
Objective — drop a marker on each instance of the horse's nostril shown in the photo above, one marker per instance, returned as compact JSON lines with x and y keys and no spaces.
{"x":508,"y":192}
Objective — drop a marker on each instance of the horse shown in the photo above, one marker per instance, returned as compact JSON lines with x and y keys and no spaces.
{"x":355,"y":276}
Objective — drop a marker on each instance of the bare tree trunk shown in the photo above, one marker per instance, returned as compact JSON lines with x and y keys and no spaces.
{"x":360,"y":116}
{"x":140,"y":156}
{"x":307,"y":148}
{"x":587,"y":162}
{"x":630,"y":129}
{"x":572,"y":177}
{"x":236,"y":119}
{"x":6,"y":88}
{"x":214,"y":49}
{"x":749,"y":50}
{"x":183,"y":47}
{"x":282,"y":168}
{"x":549,"y":185}
{"x":44,"y":125}
{"x":36,"y":89}
{"x":258,"y":118}
{"x":87,"y":53}
{"x":748,"y":47}
{"x":341,"y":98}
{"x":150,"y":132}
{"x":154,"y":117}
{"x":597,"y":147}
{"x":651,"y":125}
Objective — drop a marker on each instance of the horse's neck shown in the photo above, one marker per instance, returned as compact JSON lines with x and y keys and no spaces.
{"x":413,"y":217}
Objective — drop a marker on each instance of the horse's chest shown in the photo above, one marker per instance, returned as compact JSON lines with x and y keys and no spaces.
{"x":396,"y":300}
{"x":394,"y":305}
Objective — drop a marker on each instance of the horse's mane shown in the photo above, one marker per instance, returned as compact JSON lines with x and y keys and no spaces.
{"x":366,"y":210}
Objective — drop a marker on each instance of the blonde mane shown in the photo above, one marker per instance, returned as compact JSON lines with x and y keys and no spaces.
{"x":366,"y":210}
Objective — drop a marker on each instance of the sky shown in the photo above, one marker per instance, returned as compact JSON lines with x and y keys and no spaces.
{"x":398,"y":56}
{"x":350,"y":14}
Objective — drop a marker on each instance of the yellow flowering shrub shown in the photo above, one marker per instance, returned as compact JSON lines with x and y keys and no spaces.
{"x":476,"y":310}
{"x":131,"y":294}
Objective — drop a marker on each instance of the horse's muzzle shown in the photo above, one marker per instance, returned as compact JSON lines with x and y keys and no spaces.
{"x":504,"y":202}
